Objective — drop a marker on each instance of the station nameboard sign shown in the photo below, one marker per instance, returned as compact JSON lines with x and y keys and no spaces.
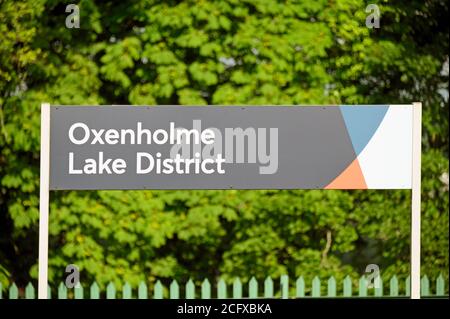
{"x":231,"y":147}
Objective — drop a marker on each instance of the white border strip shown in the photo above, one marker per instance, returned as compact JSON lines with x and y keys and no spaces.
{"x":43,"y":201}
{"x":415,"y":200}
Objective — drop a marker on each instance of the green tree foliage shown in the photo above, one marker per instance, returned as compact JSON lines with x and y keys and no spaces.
{"x":219,"y":52}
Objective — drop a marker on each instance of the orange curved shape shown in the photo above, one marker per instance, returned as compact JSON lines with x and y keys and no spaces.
{"x":351,"y":178}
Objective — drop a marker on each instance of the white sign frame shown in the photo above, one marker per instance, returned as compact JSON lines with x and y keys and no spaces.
{"x":44,"y":201}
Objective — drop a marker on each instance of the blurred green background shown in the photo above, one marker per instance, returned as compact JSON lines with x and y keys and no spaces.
{"x":219,"y":52}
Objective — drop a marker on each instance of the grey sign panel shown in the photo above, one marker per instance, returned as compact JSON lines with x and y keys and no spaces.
{"x":284,"y":147}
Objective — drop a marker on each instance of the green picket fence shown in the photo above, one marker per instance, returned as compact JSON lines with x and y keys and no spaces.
{"x":253,"y":289}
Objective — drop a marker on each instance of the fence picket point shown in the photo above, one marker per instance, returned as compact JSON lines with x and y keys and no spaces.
{"x":284,"y":283}
{"x":237,"y":288}
{"x":362,"y":286}
{"x":190,"y":289}
{"x":206,"y":289}
{"x":78,"y":291}
{"x":221,"y":289}
{"x":29,"y":291}
{"x":174,"y":290}
{"x":379,"y":283}
{"x":268,"y":287}
{"x":94,"y":291}
{"x":331,"y":287}
{"x":347,"y":291}
{"x":62,"y":291}
{"x":440,"y":285}
{"x":315,"y":287}
{"x":425,"y":286}
{"x":142,"y":291}
{"x":393,"y":286}
{"x":408,"y":286}
{"x":158,"y":290}
{"x":13,"y":291}
{"x":300,"y":287}
{"x":253,"y":288}
{"x":126,"y":291}
{"x":111,"y":291}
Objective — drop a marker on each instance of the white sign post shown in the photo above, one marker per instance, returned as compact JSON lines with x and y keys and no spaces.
{"x":415,"y":201}
{"x":44,"y":201}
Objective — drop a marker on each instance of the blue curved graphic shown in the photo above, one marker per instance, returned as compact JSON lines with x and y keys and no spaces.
{"x":362,"y":122}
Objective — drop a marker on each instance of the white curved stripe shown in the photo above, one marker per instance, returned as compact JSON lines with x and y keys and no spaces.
{"x":386,"y":161}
